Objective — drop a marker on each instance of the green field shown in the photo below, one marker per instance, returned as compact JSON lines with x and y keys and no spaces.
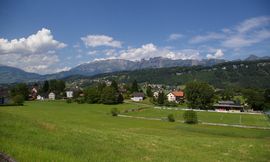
{"x":209,"y":117}
{"x":57,"y":131}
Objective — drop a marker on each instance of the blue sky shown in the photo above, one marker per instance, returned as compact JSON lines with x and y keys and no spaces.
{"x":50,"y":36}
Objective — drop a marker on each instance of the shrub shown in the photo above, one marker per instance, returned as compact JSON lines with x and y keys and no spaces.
{"x":171,"y":118}
{"x":190,"y":117}
{"x":80,"y":100}
{"x":18,"y":99}
{"x":69,"y":100}
{"x":114,"y":111}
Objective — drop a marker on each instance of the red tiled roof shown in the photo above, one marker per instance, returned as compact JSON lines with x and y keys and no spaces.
{"x":178,"y":93}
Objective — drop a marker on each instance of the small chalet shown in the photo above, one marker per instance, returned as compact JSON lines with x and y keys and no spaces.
{"x":228,"y":106}
{"x":137,"y":96}
{"x":175,"y":96}
{"x":51,"y":96}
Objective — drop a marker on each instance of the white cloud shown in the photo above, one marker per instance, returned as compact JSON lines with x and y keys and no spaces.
{"x":240,"y":40}
{"x":40,"y":42}
{"x":149,"y":50}
{"x":208,"y":37}
{"x":219,"y":53}
{"x":246,"y":33}
{"x":36,"y":53}
{"x":174,"y":36}
{"x":253,"y":23}
{"x":100,"y":40}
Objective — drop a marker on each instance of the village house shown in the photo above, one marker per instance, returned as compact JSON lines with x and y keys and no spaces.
{"x":39,"y":97}
{"x":175,"y":96}
{"x":231,"y":106}
{"x":137,"y":96}
{"x":51,"y":96}
{"x":69,"y":94}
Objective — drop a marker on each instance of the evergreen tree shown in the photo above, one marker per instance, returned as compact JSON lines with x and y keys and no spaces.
{"x":134,"y":86}
{"x":45,"y":87}
{"x":120,"y":98}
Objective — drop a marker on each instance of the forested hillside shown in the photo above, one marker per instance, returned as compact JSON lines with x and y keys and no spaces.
{"x":246,"y":74}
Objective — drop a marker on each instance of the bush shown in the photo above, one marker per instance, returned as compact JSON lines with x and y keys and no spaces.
{"x":171,"y":118}
{"x":18,"y":99}
{"x":80,"y":100}
{"x":114,"y":111}
{"x":69,"y":100}
{"x":170,"y":104}
{"x":190,"y":117}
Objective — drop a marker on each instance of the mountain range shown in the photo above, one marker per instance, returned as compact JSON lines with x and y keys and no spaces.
{"x":13,"y":75}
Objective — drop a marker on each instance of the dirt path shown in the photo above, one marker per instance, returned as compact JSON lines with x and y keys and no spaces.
{"x":204,"y":123}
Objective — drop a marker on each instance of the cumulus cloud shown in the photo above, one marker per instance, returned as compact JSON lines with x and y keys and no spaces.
{"x":100,"y":40}
{"x":40,"y":42}
{"x":246,"y":33}
{"x":35,"y":53}
{"x":174,"y":36}
{"x":219,"y":53}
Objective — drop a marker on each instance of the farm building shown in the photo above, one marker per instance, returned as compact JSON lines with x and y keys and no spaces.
{"x":137,"y":96}
{"x":228,"y":106}
{"x":175,"y":96}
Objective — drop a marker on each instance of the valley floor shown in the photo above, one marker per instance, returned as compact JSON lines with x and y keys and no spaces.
{"x":57,"y":131}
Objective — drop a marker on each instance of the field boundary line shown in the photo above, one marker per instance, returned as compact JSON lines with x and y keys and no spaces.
{"x":204,"y":123}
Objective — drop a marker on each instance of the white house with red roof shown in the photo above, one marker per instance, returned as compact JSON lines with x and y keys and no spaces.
{"x":175,"y":96}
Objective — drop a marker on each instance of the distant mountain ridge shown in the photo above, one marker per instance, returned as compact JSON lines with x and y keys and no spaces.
{"x":12,"y":75}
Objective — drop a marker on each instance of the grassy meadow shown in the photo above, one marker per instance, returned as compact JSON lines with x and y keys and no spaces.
{"x":57,"y":131}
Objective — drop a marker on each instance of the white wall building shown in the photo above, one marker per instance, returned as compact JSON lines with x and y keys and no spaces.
{"x":51,"y":96}
{"x":69,"y":94}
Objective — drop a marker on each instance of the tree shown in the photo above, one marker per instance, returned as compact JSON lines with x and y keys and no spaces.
{"x":45,"y":87}
{"x":267,"y":95}
{"x":227,"y":94}
{"x":134,"y":86}
{"x":149,"y":92}
{"x":161,"y":98}
{"x":18,"y":99}
{"x":20,"y":89}
{"x":91,"y":95}
{"x":114,"y":85}
{"x":254,"y":99}
{"x":120,"y":98}
{"x":190,"y":117}
{"x":199,"y":95}
{"x":109,"y":96}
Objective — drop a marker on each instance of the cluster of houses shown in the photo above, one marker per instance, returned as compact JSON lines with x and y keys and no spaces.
{"x":35,"y":95}
{"x":174,"y":96}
